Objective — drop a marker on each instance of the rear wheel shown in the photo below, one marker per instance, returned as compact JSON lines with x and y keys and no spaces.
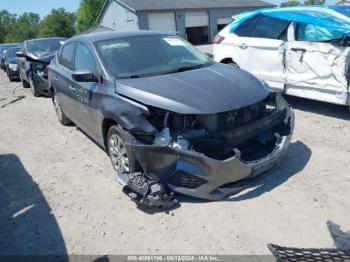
{"x":59,"y":112}
{"x":122,"y":159}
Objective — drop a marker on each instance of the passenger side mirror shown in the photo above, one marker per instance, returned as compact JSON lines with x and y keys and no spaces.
{"x":20,"y":54}
{"x":84,"y":76}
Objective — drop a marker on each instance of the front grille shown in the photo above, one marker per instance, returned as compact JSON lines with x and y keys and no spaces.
{"x":301,"y":254}
{"x":183,"y":179}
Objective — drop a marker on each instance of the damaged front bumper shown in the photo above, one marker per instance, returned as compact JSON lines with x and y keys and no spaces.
{"x":192,"y":173}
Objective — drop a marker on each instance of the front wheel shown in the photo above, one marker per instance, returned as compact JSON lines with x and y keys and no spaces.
{"x":33,"y":87}
{"x":24,"y":83}
{"x":122,"y":159}
{"x":59,"y":112}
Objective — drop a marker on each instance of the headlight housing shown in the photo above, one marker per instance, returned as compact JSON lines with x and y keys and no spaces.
{"x":13,"y":66}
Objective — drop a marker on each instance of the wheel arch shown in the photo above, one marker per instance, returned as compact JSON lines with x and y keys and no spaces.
{"x":107,"y":123}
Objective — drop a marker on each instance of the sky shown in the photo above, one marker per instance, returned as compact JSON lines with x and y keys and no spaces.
{"x":43,"y":7}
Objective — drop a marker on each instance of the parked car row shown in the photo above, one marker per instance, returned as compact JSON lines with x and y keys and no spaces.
{"x":29,"y":61}
{"x":172,"y":119}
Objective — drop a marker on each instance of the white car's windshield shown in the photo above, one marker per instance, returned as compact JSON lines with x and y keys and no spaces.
{"x":140,"y":56}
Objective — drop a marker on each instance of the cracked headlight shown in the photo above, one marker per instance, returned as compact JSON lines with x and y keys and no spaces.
{"x":13,"y":66}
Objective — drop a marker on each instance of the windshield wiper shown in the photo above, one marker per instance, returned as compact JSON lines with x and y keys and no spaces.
{"x":188,"y":68}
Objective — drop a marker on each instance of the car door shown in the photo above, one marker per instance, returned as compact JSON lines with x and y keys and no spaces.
{"x":317,"y":64}
{"x":87,"y":93}
{"x":61,"y":77}
{"x":258,"y":47}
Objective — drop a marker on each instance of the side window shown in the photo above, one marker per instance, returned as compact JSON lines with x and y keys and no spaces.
{"x":262,"y":26}
{"x":84,"y":60}
{"x":315,"y":33}
{"x":67,"y":56}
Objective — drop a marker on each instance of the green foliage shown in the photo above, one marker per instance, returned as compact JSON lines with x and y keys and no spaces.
{"x":87,"y":14}
{"x":25,"y":27}
{"x":6,"y":24}
{"x":290,"y":3}
{"x":58,"y":23}
{"x":314,"y":2}
{"x":306,"y":2}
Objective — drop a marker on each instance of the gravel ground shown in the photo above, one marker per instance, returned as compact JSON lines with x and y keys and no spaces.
{"x":58,"y":194}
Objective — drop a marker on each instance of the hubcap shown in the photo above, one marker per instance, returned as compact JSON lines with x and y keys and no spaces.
{"x":118,"y":154}
{"x":57,"y":107}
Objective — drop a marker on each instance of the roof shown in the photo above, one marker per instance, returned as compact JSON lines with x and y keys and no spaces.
{"x":96,"y":29}
{"x":159,"y":5}
{"x":107,"y":35}
{"x":315,"y":15}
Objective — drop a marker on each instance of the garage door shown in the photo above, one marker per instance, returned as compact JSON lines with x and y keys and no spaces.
{"x":164,"y":22}
{"x":224,"y":21}
{"x":196,"y":19}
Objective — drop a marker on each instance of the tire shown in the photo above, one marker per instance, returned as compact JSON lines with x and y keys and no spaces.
{"x":59,"y":112}
{"x":33,"y":87}
{"x":25,"y":84}
{"x":122,"y":159}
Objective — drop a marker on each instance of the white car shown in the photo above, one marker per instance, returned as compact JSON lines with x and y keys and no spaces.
{"x":308,"y":59}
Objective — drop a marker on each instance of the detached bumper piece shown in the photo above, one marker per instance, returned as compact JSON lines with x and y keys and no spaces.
{"x":146,"y":191}
{"x":284,"y":254}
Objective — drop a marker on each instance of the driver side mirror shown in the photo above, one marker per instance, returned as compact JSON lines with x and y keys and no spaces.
{"x":84,"y":76}
{"x":20,"y":54}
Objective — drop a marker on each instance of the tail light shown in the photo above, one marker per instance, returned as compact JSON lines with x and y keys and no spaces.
{"x":218,"y":39}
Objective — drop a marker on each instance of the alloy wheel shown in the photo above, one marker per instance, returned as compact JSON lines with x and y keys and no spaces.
{"x":118,"y":154}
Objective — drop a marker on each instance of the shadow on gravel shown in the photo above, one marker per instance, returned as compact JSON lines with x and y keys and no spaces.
{"x":341,"y":239}
{"x":27,"y":226}
{"x":317,"y":107}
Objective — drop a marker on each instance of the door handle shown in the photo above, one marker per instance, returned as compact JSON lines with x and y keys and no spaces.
{"x":72,"y":88}
{"x":243,"y":46}
{"x":296,"y":49}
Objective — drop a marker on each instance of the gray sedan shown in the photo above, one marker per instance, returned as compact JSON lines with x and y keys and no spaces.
{"x":169,"y":117}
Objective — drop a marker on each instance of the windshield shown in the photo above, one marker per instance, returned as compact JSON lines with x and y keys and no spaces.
{"x":5,"y":47}
{"x":12,"y":52}
{"x":47,"y":45}
{"x":142,"y":56}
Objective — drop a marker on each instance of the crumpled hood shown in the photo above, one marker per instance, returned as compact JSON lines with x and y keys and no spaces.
{"x":214,"y":89}
{"x":40,"y":56}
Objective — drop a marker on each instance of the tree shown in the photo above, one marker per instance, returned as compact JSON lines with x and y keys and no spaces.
{"x":25,"y":27}
{"x":7,"y":22}
{"x":314,"y":2}
{"x":291,"y":3}
{"x":58,"y":23}
{"x":87,"y":14}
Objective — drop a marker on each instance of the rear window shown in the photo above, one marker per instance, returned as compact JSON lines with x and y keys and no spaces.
{"x":262,"y":26}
